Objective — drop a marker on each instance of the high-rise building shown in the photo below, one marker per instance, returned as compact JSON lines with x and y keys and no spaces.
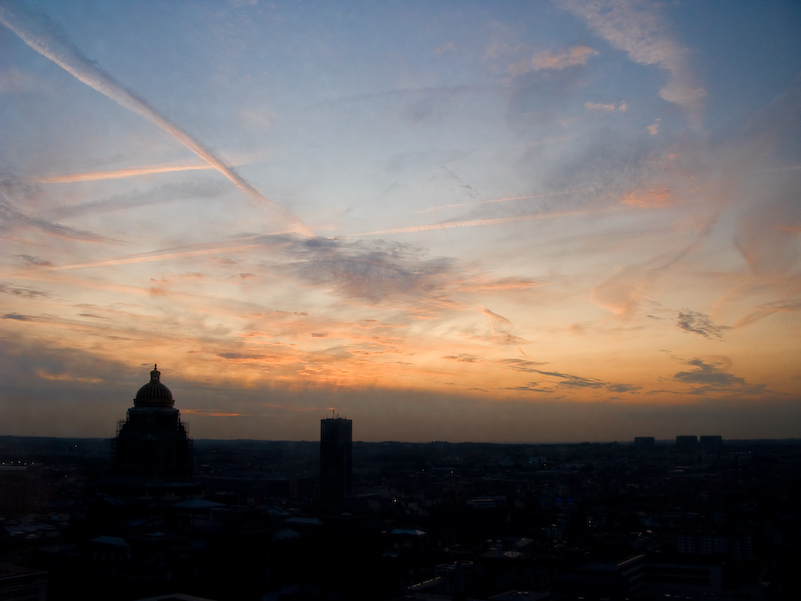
{"x":711,"y":444}
{"x":336,"y":471}
{"x":687,"y":444}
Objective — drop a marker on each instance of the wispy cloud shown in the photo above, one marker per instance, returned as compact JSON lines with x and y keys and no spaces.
{"x":764,"y":310}
{"x":463,"y":358}
{"x":767,"y":236}
{"x":598,"y":107}
{"x":242,"y":357}
{"x":67,"y":377}
{"x":37,"y":32}
{"x":699,"y":323}
{"x":621,"y":292}
{"x":647,"y":197}
{"x":475,"y":203}
{"x":22,"y":291}
{"x":522,"y":365}
{"x":561,"y":59}
{"x":574,"y":381}
{"x":196,"y":188}
{"x":446,"y":47}
{"x":12,"y":219}
{"x":560,"y":380}
{"x":500,"y":318}
{"x":159,"y":255}
{"x":35,"y":261}
{"x":485,"y":222}
{"x":504,"y":284}
{"x":373,"y":272}
{"x":710,"y":377}
{"x":14,"y":81}
{"x":501,"y":329}
{"x":203,"y":413}
{"x":533,"y":387}
{"x":639,"y":30}
{"x":18,"y":317}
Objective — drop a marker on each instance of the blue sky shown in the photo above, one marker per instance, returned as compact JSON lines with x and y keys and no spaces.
{"x":464,"y":221}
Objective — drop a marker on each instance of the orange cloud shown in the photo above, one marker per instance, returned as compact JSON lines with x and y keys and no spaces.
{"x":767,"y":309}
{"x":118,"y":173}
{"x":574,"y":56}
{"x":210,"y":413}
{"x":514,"y":283}
{"x":494,"y":315}
{"x":66,"y":377}
{"x":655,"y":197}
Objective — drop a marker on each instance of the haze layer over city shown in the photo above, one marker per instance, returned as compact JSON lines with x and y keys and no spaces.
{"x":511,"y":222}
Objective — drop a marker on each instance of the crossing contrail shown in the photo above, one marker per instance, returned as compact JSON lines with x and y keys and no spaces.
{"x":36,"y":33}
{"x":92,"y":176}
{"x":459,"y":205}
{"x":478,"y":222}
{"x":241,"y":245}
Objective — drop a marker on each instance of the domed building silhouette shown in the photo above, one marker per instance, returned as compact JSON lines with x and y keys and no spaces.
{"x":152,"y":452}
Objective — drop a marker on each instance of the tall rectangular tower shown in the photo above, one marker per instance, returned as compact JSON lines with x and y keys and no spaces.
{"x":336,"y":472}
{"x":687,"y":444}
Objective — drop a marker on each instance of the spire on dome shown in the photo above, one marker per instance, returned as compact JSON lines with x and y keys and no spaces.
{"x":154,"y":393}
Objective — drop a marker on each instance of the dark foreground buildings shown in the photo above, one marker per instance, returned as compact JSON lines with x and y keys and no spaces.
{"x":22,"y":584}
{"x":336,"y":520}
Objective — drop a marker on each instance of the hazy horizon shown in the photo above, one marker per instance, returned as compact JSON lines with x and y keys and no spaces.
{"x":661,"y":442}
{"x":468,"y":222}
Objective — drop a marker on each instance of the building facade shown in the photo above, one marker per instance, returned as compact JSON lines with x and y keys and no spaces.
{"x":152,"y":449}
{"x":336,"y":470}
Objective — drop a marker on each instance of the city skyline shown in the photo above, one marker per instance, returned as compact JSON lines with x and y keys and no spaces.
{"x":534,"y":222}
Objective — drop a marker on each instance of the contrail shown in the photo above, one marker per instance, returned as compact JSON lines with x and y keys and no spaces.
{"x":494,"y":315}
{"x":788,"y":168}
{"x":13,"y":219}
{"x":507,"y":199}
{"x":158,"y":256}
{"x":151,"y":258}
{"x":492,"y":329}
{"x":117,"y":174}
{"x":169,"y":192}
{"x":239,"y":245}
{"x":34,"y":32}
{"x":477,"y":222}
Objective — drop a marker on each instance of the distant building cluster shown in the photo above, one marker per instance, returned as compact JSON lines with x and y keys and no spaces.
{"x":684,"y":444}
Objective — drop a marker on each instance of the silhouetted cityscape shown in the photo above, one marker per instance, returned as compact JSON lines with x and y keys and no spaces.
{"x":152,"y":514}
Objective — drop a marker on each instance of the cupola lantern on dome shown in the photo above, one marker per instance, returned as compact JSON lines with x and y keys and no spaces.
{"x":154,"y":393}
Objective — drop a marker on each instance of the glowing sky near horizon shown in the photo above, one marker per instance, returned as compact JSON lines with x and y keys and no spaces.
{"x":522,"y":221}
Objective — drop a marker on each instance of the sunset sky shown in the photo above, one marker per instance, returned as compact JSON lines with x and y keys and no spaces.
{"x":468,"y":221}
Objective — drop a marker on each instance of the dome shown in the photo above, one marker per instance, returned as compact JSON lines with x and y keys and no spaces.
{"x":154,"y":393}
